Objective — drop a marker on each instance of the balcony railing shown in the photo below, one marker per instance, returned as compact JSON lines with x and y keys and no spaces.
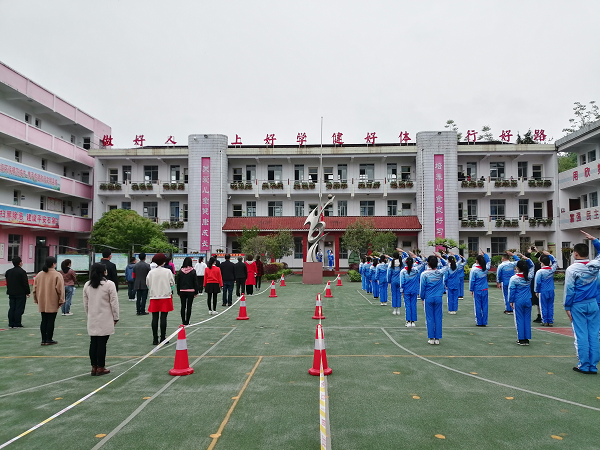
{"x":489,"y":222}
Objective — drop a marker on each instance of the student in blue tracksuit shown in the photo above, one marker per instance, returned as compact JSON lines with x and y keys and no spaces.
{"x":367,"y":272}
{"x":393,"y":278}
{"x":581,"y":307}
{"x":431,"y":292}
{"x":361,"y":272}
{"x":452,"y":280}
{"x":461,"y":282}
{"x":596,"y":243}
{"x":381,"y":274}
{"x":505,"y":271}
{"x":478,"y":285}
{"x":409,"y":288}
{"x":544,"y":288}
{"x":519,"y":296}
{"x":374,"y":280}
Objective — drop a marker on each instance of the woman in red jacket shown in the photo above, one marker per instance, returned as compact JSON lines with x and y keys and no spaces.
{"x":212,"y":284}
{"x":251,"y":279}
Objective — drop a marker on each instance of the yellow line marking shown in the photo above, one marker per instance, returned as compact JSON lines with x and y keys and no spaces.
{"x":558,"y":438}
{"x":440,"y":436}
{"x":509,"y":398}
{"x":100,"y":435}
{"x":215,"y":436}
{"x":146,"y":398}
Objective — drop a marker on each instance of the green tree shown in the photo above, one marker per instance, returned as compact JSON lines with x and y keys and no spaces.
{"x":566,"y":161}
{"x":486,"y":134}
{"x":121,"y":228}
{"x":526,"y":139}
{"x":280,"y":244}
{"x":248,"y":234}
{"x":583,"y":116}
{"x":256,"y":245}
{"x":359,"y":234}
{"x":446,"y":243}
{"x":451,"y":125}
{"x":384,"y":242}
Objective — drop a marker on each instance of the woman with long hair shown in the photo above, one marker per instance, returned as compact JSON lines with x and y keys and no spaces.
{"x":519,"y":297}
{"x":251,"y":279}
{"x":452,"y":281}
{"x":431,"y":293}
{"x":361,"y":266}
{"x":160,"y":282}
{"x":374,"y":280}
{"x":187,"y":289}
{"x":393,"y":278}
{"x":49,"y":294}
{"x":478,"y":285}
{"x":101,"y":306}
{"x":381,"y":274}
{"x":213,"y":282}
{"x":260,"y":271}
{"x":410,"y":278}
{"x":69,"y":278}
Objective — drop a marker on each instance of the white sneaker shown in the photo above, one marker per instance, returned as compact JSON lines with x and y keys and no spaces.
{"x":210,"y":313}
{"x":436,"y":341}
{"x":431,"y":341}
{"x":68,"y":314}
{"x":452,"y":312}
{"x":408,"y":325}
{"x":412,"y":324}
{"x":132,"y":300}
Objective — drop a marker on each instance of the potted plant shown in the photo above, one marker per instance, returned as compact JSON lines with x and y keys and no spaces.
{"x":369,"y":184}
{"x":111,"y":186}
{"x":514,"y":183}
{"x":297,"y":185}
{"x":337,"y":185}
{"x":305,"y":186}
{"x":248,"y":186}
{"x":532,"y":222}
{"x":393,"y":184}
{"x":498,"y":183}
{"x":135,"y":187}
{"x":498,"y":222}
{"x":103,"y":186}
{"x":549,"y":221}
{"x":514,"y":223}
{"x":166,"y":224}
{"x":273,"y":185}
{"x":401,"y":184}
{"x":539,"y":183}
{"x":531,"y":183}
{"x":167,"y":186}
{"x":143,"y":186}
{"x":233,"y":186}
{"x":464,"y":183}
{"x":472,"y":183}
{"x":505,"y":183}
{"x":464,"y":223}
{"x":329,"y":185}
{"x":149,"y":186}
{"x":480,"y":183}
{"x":173,"y":186}
{"x":280,"y":185}
{"x":376,"y":185}
{"x":361,"y":185}
{"x":480,"y":223}
{"x":311,"y":185}
{"x":409,"y":184}
{"x":547,"y":183}
{"x":180,"y":186}
{"x":180,"y":224}
{"x":344,"y":185}
{"x":472,"y":223}
{"x":265,"y":185}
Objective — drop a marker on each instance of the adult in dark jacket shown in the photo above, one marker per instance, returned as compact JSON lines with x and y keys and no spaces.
{"x":241,"y":273}
{"x":17,"y":288}
{"x":187,"y":289}
{"x":111,"y":268}
{"x":537,"y":266}
{"x":260,"y":271}
{"x":228,"y":276}
{"x":141,"y":270}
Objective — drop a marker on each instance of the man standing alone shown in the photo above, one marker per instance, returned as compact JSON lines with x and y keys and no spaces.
{"x":17,"y":288}
{"x":141,"y":270}
{"x":241,"y":273}
{"x":228,"y":276}
{"x":111,"y":268}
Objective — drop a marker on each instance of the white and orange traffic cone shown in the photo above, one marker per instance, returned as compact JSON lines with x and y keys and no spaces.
{"x":320,"y":355}
{"x":328,"y":290}
{"x":242,"y":315}
{"x":319,"y":308}
{"x":282,"y":283}
{"x":339,"y":280}
{"x":273,"y":294}
{"x":182,"y":364}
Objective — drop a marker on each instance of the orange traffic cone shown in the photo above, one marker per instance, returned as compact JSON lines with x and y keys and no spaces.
{"x":320,"y":355}
{"x":339,"y":280}
{"x":182,"y":365}
{"x":328,"y":290}
{"x":273,"y":294}
{"x":282,"y":281}
{"x":242,"y":315}
{"x":319,"y":308}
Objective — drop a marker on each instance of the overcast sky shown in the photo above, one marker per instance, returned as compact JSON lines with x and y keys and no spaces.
{"x":180,"y":67}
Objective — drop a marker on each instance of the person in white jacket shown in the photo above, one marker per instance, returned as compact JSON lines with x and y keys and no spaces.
{"x":160,"y":282}
{"x":200,"y":267}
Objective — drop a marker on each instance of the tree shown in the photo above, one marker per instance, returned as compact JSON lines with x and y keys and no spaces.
{"x":583,"y":116}
{"x":450,"y":124}
{"x":384,"y":242}
{"x":486,"y":134}
{"x":526,"y":139}
{"x":256,"y":245}
{"x":280,"y":244}
{"x":120,"y":229}
{"x":446,"y":243}
{"x":566,"y":161}
{"x":359,"y":234}
{"x":248,"y":234}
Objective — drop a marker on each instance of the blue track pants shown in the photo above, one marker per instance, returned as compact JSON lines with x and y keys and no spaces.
{"x":410,"y":304}
{"x":433,"y":315}
{"x":481,"y":307}
{"x":396,"y":295}
{"x":586,"y":326}
{"x":547,"y":306}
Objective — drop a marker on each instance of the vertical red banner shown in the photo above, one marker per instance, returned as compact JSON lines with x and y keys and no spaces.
{"x":205,"y":207}
{"x":438,"y":192}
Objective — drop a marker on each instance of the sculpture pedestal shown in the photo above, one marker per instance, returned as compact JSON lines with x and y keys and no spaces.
{"x":312,"y":273}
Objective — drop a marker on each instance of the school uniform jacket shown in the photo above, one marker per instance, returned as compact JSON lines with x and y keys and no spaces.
{"x":478,"y":276}
{"x":544,"y":278}
{"x":506,"y":270}
{"x":432,"y":282}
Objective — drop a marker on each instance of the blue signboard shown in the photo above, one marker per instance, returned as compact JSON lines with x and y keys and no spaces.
{"x":20,"y":172}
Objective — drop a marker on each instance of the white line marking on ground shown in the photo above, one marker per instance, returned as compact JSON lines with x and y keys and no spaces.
{"x":361,"y":294}
{"x":527,"y":391}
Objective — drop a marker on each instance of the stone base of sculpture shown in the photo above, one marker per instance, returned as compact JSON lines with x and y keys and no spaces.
{"x":312,"y":273}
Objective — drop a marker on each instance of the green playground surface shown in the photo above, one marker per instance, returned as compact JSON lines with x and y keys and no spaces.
{"x":251,"y":389}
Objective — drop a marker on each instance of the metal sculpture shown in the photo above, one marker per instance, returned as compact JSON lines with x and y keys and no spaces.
{"x":316,"y":230}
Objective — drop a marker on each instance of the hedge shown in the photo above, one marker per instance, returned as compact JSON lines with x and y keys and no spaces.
{"x":353,"y":275}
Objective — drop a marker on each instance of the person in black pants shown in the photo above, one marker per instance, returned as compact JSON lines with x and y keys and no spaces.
{"x":241,"y":273}
{"x":49,"y":295}
{"x":228,"y":275}
{"x":537,"y":266}
{"x":141,"y":270}
{"x":111,"y":268}
{"x":17,"y":288}
{"x":187,"y":289}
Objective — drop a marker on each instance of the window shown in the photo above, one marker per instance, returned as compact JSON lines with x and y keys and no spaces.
{"x":299,"y":209}
{"x":126,"y":170}
{"x":82,"y":245}
{"x":235,"y":247}
{"x":328,"y":173}
{"x":582,"y":159}
{"x":185,"y":176}
{"x":539,"y":244}
{"x":342,"y":208}
{"x":367,"y":208}
{"x":237,"y":210}
{"x":14,"y":246}
{"x":343,"y":250}
{"x":392,"y":171}
{"x":536,"y":171}
{"x":460,"y":211}
{"x":185,"y":212}
{"x":16,"y":197}
{"x":497,"y":209}
{"x":42,"y":202}
{"x":73,"y":139}
{"x":174,"y":242}
{"x":523,"y":209}
{"x":17,"y":155}
{"x":184,"y":246}
{"x":366,"y":172}
{"x":63,"y":244}
{"x":591,"y":155}
{"x":313,"y":174}
{"x":473,"y":245}
{"x":584,"y":201}
{"x":593,"y":199}
{"x":44,"y":164}
{"x":405,"y":173}
{"x":498,"y":245}
{"x":342,"y":172}
{"x":64,"y":171}
{"x":87,"y":143}
{"x":471,"y":209}
{"x":524,"y":243}
{"x":250,"y":172}
{"x":275,"y":209}
{"x":111,"y":207}
{"x":522,"y":169}
{"x":472,"y":170}
{"x":274,"y":172}
{"x":84,"y":209}
{"x":392,"y":207}
{"x":38,"y":123}
{"x":151,"y":173}
{"x":328,"y":211}
{"x":311,"y":207}
{"x":27,"y":118}
{"x":125,"y":205}
{"x":237,"y":174}
{"x":496,"y":170}
{"x":85,"y":177}
{"x":174,"y":210}
{"x":251,"y":209}
{"x":151,"y":210}
{"x":113,"y":175}
{"x":407,"y":209}
{"x":299,"y":172}
{"x":538,"y":209}
{"x":175,"y":172}
{"x":298,"y":248}
{"x":406,"y":244}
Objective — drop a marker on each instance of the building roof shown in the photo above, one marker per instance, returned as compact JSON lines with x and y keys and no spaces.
{"x":332,"y":223}
{"x":590,"y":128}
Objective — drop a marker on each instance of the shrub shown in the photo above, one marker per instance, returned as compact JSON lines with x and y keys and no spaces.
{"x":496,"y":260}
{"x":329,"y":185}
{"x":273,"y":268}
{"x":491,"y":276}
{"x":470,"y":261}
{"x":558,"y":276}
{"x":353,"y":275}
{"x":353,"y":266}
{"x":467,"y":270}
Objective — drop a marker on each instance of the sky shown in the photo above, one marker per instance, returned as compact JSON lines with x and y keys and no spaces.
{"x":262,"y":67}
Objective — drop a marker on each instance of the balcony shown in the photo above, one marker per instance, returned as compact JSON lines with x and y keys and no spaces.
{"x":586,"y":174}
{"x":171,"y":224}
{"x":490,"y":185}
{"x":17,"y":216}
{"x":501,"y":223}
{"x":580,"y":218}
{"x":129,"y":188}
